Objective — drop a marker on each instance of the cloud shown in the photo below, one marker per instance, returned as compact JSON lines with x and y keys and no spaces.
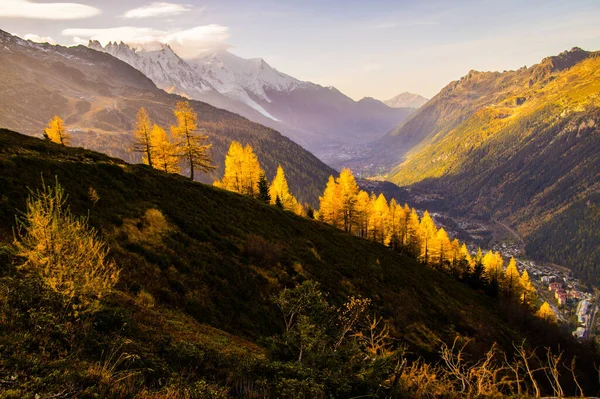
{"x":57,"y":11}
{"x":187,"y":43}
{"x":39,"y":39}
{"x":157,"y":9}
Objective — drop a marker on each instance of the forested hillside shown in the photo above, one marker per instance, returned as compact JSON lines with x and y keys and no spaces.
{"x":519,"y":146}
{"x":98,"y":97}
{"x":195,"y":311}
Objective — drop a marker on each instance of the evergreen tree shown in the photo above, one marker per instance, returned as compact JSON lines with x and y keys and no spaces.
{"x":164,"y":152}
{"x":142,"y":136}
{"x":191,"y":147}
{"x":263,"y":189}
{"x":55,"y":131}
{"x":310,"y":212}
{"x":278,"y":202}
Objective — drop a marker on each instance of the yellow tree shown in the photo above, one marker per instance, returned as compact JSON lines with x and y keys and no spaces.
{"x":363,"y":213}
{"x":545,"y":312}
{"x":528,"y":295}
{"x":380,"y":220}
{"x":55,"y":131}
{"x":164,"y":152}
{"x":142,"y":136}
{"x":413,"y":233}
{"x":279,"y":190}
{"x":190,"y":144}
{"x":493,"y":266}
{"x":330,"y":204}
{"x":348,"y":196}
{"x":428,"y":231}
{"x":512,"y":279}
{"x":242,"y":170}
{"x":397,"y":219}
{"x":440,"y":249}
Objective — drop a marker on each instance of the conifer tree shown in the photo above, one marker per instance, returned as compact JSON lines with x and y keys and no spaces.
{"x":191,"y":145}
{"x":440,"y":249}
{"x":55,"y":131}
{"x":512,"y":279}
{"x":279,"y":189}
{"x":428,"y":231}
{"x":545,"y":312}
{"x":242,"y":170}
{"x":164,"y":152}
{"x":528,"y":295}
{"x":396,"y":222}
{"x":348,"y":191}
{"x":413,"y":233}
{"x":310,"y":212}
{"x":142,"y":137}
{"x":278,"y":202}
{"x":363,"y":213}
{"x":380,"y":219}
{"x":263,"y":189}
{"x":330,"y":209}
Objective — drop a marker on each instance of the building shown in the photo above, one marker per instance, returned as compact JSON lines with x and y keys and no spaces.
{"x":554,"y":286}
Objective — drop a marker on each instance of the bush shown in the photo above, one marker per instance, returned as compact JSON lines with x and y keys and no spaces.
{"x":64,"y":250}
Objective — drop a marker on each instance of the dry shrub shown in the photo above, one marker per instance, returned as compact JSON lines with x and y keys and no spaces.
{"x":149,"y":228}
{"x":64,"y":250}
{"x":145,"y":299}
{"x":263,"y":252}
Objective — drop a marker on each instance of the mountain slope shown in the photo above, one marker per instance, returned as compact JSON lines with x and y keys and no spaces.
{"x":406,"y":100}
{"x":211,"y":285}
{"x":312,"y":115}
{"x":98,"y":96}
{"x":520,"y":146}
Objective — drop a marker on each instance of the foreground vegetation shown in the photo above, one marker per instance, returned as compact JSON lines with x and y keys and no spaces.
{"x":221,"y":295}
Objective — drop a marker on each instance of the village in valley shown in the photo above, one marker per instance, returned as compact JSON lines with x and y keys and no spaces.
{"x":574,"y":304}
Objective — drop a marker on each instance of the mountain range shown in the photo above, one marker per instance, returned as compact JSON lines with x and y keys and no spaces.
{"x":312,"y":115}
{"x":520,"y":147}
{"x":98,"y":96}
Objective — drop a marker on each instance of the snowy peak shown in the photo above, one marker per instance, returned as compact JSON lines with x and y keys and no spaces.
{"x":229,"y":73}
{"x":406,"y":100}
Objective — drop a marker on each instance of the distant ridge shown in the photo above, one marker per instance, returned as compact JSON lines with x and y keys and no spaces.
{"x":406,"y":100}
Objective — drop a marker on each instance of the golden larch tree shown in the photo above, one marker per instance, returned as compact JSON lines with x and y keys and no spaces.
{"x":528,"y":294}
{"x":413,"y":233}
{"x":363,"y":213}
{"x":279,"y":189}
{"x":380,"y":220}
{"x":330,"y":204}
{"x":164,"y":152}
{"x":440,"y":251}
{"x":56,"y":132}
{"x":348,"y":196}
{"x":242,"y":170}
{"x":191,"y":145}
{"x":545,"y":312}
{"x":493,"y":266}
{"x":512,"y":279}
{"x":67,"y":253}
{"x":428,"y":232}
{"x":397,"y":218}
{"x":142,"y":136}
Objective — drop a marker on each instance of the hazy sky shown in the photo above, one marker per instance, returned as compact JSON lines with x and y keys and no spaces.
{"x":373,"y":48}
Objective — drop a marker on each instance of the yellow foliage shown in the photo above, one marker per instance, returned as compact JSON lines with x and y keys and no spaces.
{"x":164,"y":152}
{"x":55,"y":131}
{"x":65,"y":251}
{"x":545,"y":312}
{"x":330,"y":210}
{"x":190,"y":144}
{"x":428,"y":232}
{"x":348,"y":191}
{"x":142,"y":136}
{"x":242,"y":170}
{"x":279,"y":189}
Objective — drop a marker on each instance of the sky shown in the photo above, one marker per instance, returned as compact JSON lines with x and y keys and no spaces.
{"x":375,"y":48}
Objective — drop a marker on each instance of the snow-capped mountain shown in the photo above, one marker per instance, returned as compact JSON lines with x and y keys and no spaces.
{"x":406,"y":100}
{"x":312,"y":115}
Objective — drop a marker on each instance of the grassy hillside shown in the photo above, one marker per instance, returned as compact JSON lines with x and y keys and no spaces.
{"x":523,"y":150}
{"x":193,"y":306}
{"x":99,"y":96}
